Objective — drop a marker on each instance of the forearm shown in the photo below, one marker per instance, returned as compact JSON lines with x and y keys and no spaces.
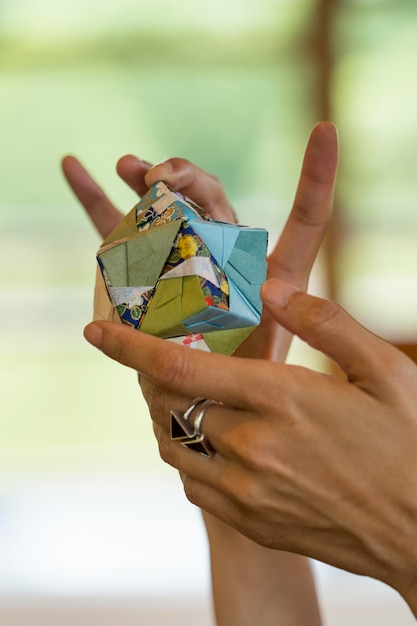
{"x":257,"y":585}
{"x":411,"y":598}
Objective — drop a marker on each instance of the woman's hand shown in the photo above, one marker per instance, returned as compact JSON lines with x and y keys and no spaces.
{"x":183,"y":176}
{"x":305,"y":462}
{"x":295,"y":252}
{"x":276,"y":586}
{"x":293,"y":256}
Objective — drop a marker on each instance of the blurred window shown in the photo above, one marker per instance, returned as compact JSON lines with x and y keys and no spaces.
{"x":224,"y":85}
{"x":375,"y":105}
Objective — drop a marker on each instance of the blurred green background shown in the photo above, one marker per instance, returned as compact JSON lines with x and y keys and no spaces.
{"x":228,"y":85}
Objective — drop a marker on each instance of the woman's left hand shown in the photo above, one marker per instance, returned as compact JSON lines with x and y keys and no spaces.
{"x":270,"y":580}
{"x":293,"y":256}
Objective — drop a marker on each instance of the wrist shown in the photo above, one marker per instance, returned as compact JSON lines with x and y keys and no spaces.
{"x":254,"y":584}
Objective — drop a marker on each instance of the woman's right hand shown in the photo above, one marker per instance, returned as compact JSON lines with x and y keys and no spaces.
{"x":305,"y":462}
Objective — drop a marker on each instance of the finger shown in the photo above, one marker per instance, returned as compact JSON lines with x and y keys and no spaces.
{"x":228,"y":430}
{"x":247,"y":437}
{"x":209,"y":498}
{"x":327,"y":327}
{"x":203,"y":188}
{"x":296,"y":250}
{"x":99,"y":208}
{"x":215,"y":471}
{"x":306,"y":226}
{"x":237,"y":495}
{"x":209,"y":482}
{"x":188,"y":372}
{"x":212,"y":500}
{"x":132,"y":170}
{"x":161,"y":401}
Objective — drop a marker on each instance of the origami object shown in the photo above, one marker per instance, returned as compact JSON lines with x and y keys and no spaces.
{"x":171,"y":271}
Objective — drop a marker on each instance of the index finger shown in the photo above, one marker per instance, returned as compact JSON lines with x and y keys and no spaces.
{"x":307,"y":223}
{"x":180,"y":369}
{"x":99,"y":208}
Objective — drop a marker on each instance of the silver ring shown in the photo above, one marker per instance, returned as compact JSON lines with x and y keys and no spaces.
{"x":198,"y":420}
{"x":188,"y":432}
{"x":181,"y":428}
{"x":193,"y":406}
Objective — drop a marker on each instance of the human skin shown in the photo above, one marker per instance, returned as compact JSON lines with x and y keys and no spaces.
{"x":305,"y":462}
{"x":251,"y":583}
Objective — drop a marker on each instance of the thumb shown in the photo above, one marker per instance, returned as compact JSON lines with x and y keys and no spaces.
{"x":325,"y":326}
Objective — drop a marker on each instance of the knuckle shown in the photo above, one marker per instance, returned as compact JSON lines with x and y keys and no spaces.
{"x":190,"y":489}
{"x":165,"y":446}
{"x":158,"y":432}
{"x":252,"y":446}
{"x":302,"y":214}
{"x":216,"y":182}
{"x":184,"y":172}
{"x":120,"y":345}
{"x":218,"y":191}
{"x":170,"y":366}
{"x":114,"y":348}
{"x":146,"y":386}
{"x":248,"y":495}
{"x":325,"y":313}
{"x":179,"y":163}
{"x":164,"y":449}
{"x":156,"y":400}
{"x":396,"y":367}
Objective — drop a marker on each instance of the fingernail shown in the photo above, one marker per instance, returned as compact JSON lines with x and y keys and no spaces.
{"x":276,"y":293}
{"x":167,"y":165}
{"x":94,"y":335}
{"x":130,"y":157}
{"x":160,"y":171}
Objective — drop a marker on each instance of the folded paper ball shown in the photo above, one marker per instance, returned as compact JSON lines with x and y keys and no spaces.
{"x":171,"y":271}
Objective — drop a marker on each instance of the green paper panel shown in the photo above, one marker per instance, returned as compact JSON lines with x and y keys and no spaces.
{"x":192,"y":297}
{"x":171,"y":299}
{"x":227,"y":341}
{"x":147,"y":253}
{"x":126,"y":228}
{"x":115,"y":263}
{"x":163,"y":316}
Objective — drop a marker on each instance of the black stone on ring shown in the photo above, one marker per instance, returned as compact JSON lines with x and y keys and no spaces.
{"x":187,"y":431}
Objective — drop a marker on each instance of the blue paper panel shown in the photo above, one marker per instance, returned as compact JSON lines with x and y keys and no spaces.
{"x":241,"y":314}
{"x":220,"y":238}
{"x":247,"y":270}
